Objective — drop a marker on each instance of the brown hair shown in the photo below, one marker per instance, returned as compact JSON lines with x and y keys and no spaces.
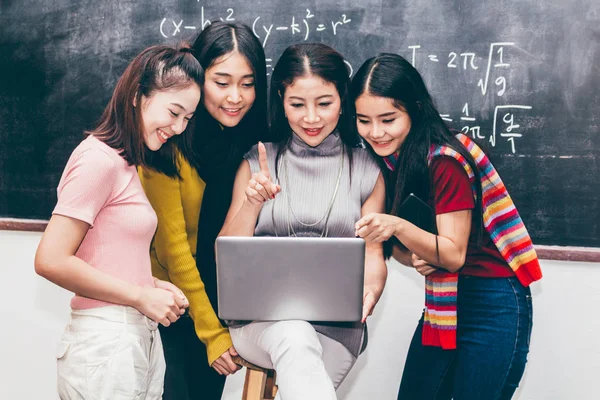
{"x":155,"y":69}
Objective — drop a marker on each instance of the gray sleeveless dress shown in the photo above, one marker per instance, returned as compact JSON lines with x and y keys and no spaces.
{"x":312,"y":173}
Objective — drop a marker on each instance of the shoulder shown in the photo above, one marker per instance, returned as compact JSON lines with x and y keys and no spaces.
{"x":94,"y":151}
{"x":92,"y":154}
{"x":364,"y":158}
{"x":448,"y":166}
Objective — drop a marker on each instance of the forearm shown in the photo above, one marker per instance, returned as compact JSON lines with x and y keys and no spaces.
{"x":187,"y":278}
{"x":375,"y":270}
{"x":77,"y":276}
{"x":244,"y":222}
{"x":436,"y":250}
{"x":403,"y":256}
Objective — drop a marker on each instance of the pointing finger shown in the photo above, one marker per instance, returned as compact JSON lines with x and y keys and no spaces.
{"x":262,"y":160}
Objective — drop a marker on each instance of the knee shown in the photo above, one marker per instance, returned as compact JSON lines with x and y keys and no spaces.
{"x":295,"y":337}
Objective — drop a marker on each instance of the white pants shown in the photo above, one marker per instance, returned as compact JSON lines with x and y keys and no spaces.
{"x":309,"y":365}
{"x":110,"y":353}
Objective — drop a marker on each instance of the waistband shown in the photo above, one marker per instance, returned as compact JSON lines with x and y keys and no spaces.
{"x":111,"y":318}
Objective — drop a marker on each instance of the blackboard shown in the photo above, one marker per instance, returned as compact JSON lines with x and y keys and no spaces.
{"x":522,"y":76}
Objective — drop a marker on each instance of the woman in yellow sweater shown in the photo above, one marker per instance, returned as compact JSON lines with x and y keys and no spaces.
{"x":192,"y":201}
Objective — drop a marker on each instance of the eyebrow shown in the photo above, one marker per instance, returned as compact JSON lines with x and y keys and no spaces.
{"x":302,"y":98}
{"x":387,"y":114}
{"x":225,"y":74}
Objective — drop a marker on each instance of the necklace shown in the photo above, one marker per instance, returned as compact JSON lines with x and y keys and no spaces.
{"x":326,"y":215}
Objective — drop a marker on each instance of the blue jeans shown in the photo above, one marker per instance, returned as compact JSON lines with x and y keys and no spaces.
{"x":493,"y":333}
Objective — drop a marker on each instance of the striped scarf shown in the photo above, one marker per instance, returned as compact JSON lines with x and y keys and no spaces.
{"x":507,"y":231}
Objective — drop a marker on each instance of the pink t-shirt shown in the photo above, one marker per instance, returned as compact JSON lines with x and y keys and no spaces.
{"x":98,"y":187}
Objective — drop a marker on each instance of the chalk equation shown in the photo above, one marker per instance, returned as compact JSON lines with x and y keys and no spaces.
{"x":263,"y":29}
{"x":506,"y":117}
{"x":490,"y":67}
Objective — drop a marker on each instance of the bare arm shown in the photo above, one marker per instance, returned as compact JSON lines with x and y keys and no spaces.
{"x":55,"y":260}
{"x":453,"y":227}
{"x":402,"y":256}
{"x":243,"y":214}
{"x":375,"y":268}
{"x":250,"y":191}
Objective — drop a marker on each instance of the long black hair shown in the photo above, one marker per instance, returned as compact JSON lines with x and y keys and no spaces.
{"x":212,"y":146}
{"x":302,"y":60}
{"x":393,"y":77}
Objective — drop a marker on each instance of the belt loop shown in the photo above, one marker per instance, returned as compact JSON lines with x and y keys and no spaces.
{"x":124,"y":308}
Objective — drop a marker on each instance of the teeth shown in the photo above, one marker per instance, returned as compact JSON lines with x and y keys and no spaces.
{"x":163,"y":135}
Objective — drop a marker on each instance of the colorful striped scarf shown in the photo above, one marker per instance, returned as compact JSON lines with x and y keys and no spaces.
{"x":507,"y":231}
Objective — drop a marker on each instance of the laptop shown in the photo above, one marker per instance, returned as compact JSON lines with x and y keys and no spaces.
{"x":282,"y":278}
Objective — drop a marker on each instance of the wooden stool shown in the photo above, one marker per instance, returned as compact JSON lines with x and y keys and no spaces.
{"x":259,"y":383}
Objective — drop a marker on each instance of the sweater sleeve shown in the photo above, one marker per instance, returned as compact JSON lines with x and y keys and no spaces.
{"x":175,"y":255}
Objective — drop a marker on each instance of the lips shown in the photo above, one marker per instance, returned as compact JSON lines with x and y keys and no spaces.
{"x":312,"y":131}
{"x":380,"y":143}
{"x":232,"y":112}
{"x":162,"y":136}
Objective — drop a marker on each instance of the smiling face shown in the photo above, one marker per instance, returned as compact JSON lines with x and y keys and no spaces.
{"x":312,"y":107}
{"x":381,"y":123}
{"x":166,"y":113}
{"x":229,"y":89}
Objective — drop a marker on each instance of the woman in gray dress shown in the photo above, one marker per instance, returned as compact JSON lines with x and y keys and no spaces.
{"x":313,"y":181}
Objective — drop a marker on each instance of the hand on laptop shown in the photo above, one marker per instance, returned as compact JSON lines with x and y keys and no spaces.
{"x":224,"y":365}
{"x":368,"y":304}
{"x":260,"y":187}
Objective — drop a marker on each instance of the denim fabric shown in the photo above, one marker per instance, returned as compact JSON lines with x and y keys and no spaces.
{"x":188,"y":377}
{"x":494,"y":329}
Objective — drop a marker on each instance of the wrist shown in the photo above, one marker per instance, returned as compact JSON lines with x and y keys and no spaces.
{"x":134,"y":296}
{"x":375,"y":289}
{"x":250,"y":207}
{"x":399,"y":227}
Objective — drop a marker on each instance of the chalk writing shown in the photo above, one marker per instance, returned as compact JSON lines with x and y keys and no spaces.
{"x":505,"y":123}
{"x":263,"y":29}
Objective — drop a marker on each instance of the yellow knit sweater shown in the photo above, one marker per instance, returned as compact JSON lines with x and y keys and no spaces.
{"x":173,"y":252}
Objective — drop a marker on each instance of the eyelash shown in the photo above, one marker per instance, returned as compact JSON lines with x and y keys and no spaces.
{"x":177,"y":115}
{"x":246,"y":85}
{"x":298,"y":105}
{"x":385,"y":121}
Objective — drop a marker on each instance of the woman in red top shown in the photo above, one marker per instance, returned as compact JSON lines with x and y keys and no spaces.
{"x":396,"y":116}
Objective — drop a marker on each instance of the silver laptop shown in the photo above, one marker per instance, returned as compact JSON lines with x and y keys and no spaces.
{"x":279,"y":278}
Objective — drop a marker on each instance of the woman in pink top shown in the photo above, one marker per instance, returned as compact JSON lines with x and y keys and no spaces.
{"x":96,"y":243}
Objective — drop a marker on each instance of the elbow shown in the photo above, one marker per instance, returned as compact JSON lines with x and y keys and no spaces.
{"x":44,"y":267}
{"x":456,"y":263}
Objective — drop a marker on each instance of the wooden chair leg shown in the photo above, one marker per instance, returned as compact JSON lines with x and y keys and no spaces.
{"x":254,"y":385}
{"x":270,"y":386}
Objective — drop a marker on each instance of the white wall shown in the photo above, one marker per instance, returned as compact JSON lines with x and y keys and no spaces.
{"x":564,"y":361}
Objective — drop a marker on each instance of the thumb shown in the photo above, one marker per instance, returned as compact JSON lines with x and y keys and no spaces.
{"x":232,"y":351}
{"x":171,"y":288}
